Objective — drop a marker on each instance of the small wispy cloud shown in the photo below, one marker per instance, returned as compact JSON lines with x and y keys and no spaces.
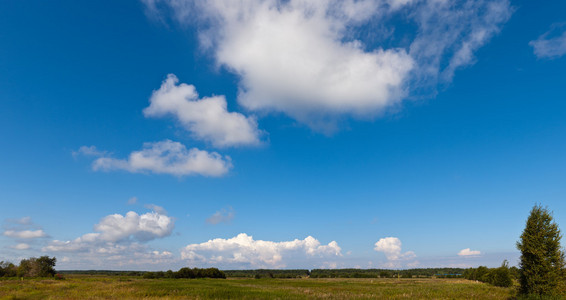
{"x":133,"y":200}
{"x":221,"y":216}
{"x":552,"y":44}
{"x":89,"y":151}
{"x":156,"y":208}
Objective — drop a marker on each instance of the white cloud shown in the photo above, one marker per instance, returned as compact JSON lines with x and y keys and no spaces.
{"x":551,"y":44}
{"x":468,"y":252}
{"x":21,"y":246}
{"x":168,"y":157}
{"x":144,"y":227}
{"x":25,"y":234}
{"x":115,"y":229}
{"x":304,"y":58}
{"x":242,"y":251}
{"x":221,"y":216}
{"x":391,"y":247}
{"x":207,"y":118}
{"x":118,"y":242}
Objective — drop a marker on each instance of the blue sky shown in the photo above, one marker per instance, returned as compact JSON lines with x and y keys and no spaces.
{"x":381,"y":133}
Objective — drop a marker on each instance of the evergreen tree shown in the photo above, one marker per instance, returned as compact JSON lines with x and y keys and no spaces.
{"x":542,"y":258}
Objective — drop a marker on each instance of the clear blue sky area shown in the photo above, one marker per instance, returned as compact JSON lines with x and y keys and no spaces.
{"x":404,"y":134}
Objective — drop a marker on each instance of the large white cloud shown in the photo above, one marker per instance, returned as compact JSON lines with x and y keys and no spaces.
{"x":242,"y":251}
{"x":168,"y":157}
{"x":391,"y":247}
{"x":144,"y":227}
{"x":118,"y":242}
{"x":207,"y":118}
{"x":115,"y":229}
{"x":305,"y":58}
{"x":551,"y":44}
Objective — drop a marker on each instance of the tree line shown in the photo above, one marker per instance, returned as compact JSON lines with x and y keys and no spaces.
{"x":186,"y":273}
{"x":43,"y":266}
{"x":387,"y":273}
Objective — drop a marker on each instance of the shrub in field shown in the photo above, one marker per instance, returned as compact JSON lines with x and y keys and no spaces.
{"x":496,"y":276}
{"x":501,"y":276}
{"x":542,"y":259}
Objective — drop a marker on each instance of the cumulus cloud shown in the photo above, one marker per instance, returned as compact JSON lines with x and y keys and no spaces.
{"x":305,"y":58}
{"x":551,"y":44}
{"x":115,"y":229}
{"x":207,"y":118}
{"x":468,"y":252}
{"x":168,"y":157}
{"x":391,"y":247}
{"x":118,"y":241}
{"x":221,"y":216}
{"x":242,"y":251}
{"x":144,"y":227}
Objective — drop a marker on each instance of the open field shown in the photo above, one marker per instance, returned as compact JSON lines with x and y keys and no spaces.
{"x":114,"y":287}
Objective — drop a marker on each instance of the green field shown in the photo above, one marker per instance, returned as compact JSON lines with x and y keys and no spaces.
{"x":116,"y":287}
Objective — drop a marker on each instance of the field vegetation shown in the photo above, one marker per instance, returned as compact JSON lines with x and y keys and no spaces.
{"x":136,"y":287}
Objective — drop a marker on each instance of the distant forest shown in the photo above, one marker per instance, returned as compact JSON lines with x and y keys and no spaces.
{"x":294,"y":273}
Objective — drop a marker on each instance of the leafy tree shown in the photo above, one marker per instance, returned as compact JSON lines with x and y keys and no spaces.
{"x":37,"y":267}
{"x":542,"y":259}
{"x":46,"y":266}
{"x":7,"y":269}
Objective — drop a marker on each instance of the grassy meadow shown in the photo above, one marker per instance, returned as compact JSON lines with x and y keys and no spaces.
{"x":119,"y":287}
